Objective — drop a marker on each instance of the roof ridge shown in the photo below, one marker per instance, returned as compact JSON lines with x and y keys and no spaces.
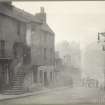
{"x":18,"y":14}
{"x":25,"y":13}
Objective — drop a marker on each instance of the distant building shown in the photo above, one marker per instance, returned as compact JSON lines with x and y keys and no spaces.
{"x":93,"y":62}
{"x":26,"y":49}
{"x":70,"y":55}
{"x":58,"y":62}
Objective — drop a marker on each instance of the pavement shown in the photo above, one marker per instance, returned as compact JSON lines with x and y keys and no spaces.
{"x":44,"y":90}
{"x":64,"y":95}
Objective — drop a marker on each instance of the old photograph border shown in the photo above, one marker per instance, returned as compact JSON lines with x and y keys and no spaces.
{"x":14,"y":97}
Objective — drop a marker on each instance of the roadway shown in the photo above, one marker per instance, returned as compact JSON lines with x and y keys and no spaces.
{"x":67,"y":95}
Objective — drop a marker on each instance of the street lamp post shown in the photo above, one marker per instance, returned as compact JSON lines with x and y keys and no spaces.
{"x":101,"y":40}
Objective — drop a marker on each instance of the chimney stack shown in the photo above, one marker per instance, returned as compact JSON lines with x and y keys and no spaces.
{"x":42,"y":15}
{"x":42,"y":9}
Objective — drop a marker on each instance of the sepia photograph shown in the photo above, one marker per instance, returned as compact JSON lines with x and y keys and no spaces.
{"x":52,"y":53}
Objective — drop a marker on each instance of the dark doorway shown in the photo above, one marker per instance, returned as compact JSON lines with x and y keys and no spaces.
{"x":35,"y":73}
{"x":51,"y":76}
{"x":41,"y":76}
{"x":4,"y":73}
{"x":45,"y":79}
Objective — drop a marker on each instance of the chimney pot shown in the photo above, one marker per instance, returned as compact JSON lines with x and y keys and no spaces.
{"x":42,"y":9}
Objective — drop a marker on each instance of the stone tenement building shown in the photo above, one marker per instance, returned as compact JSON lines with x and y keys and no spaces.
{"x":26,"y":50}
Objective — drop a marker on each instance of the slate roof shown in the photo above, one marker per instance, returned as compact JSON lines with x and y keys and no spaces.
{"x":45,"y":27}
{"x":17,"y":13}
{"x":21,"y":15}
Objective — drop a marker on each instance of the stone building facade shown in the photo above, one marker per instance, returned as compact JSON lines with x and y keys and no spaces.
{"x":27,"y":49}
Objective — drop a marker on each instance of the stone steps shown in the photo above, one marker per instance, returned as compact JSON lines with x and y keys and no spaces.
{"x":16,"y":85}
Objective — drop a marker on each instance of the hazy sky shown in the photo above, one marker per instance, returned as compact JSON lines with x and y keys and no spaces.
{"x":71,"y":20}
